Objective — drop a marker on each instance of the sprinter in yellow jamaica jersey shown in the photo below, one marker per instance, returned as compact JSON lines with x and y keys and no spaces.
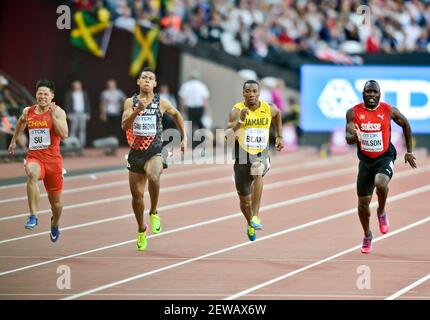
{"x":251,"y":120}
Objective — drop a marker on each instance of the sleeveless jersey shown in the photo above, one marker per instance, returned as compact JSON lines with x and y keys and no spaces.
{"x":146,"y":131}
{"x":254,"y":133}
{"x":44,"y":142}
{"x":375,"y":126}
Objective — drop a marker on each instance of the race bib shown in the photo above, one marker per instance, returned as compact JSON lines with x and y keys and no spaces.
{"x":145,"y":126}
{"x":39,"y":139}
{"x":256,"y":138}
{"x":371,"y":141}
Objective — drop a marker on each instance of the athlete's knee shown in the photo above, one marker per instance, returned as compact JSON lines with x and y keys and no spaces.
{"x":245,"y":203}
{"x":57,"y":204}
{"x":153,"y":177}
{"x":381,"y":185}
{"x":33,"y":174}
{"x":363,"y":205}
{"x":137,"y":196}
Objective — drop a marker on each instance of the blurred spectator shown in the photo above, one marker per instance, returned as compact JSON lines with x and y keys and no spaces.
{"x":293,"y":117}
{"x":7,"y":126}
{"x":111,"y":106}
{"x":194,"y":96}
{"x":77,"y":107}
{"x":165,"y":94}
{"x":3,"y":84}
{"x":14,"y":109}
{"x":263,"y":28}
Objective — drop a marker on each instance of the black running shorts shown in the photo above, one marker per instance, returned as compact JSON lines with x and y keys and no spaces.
{"x":367,"y":172}
{"x":136,"y":159}
{"x":244,"y":173}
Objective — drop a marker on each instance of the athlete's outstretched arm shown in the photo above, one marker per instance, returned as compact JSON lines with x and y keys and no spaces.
{"x":277,"y":122}
{"x":20,"y":126}
{"x":401,"y":120}
{"x":59,"y":120}
{"x":352,"y":131}
{"x":167,"y":107}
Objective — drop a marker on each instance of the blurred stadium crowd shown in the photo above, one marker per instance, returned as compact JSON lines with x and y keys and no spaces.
{"x":259,"y":28}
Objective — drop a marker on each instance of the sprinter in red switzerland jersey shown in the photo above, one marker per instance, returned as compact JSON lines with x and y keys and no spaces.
{"x":368,"y":125}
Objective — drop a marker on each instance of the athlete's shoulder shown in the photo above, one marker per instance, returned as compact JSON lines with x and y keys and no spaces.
{"x":357,"y":106}
{"x":27,"y":110}
{"x":268,"y":105}
{"x":386,"y":105}
{"x":238,"y":105}
{"x":128,"y":102}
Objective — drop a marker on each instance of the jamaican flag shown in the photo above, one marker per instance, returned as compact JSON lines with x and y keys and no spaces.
{"x":145,"y":49}
{"x":92,"y":31}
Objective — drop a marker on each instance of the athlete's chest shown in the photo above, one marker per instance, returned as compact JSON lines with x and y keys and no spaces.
{"x":35,"y":121}
{"x":376,"y":120}
{"x":258,"y":118}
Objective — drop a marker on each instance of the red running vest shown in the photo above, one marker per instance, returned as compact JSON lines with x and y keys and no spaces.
{"x":44,"y":142}
{"x":375,"y":126}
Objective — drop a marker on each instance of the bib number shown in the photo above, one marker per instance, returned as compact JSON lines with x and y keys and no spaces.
{"x":145,"y":126}
{"x":256,"y":138}
{"x":372,"y":141}
{"x":39,"y":139}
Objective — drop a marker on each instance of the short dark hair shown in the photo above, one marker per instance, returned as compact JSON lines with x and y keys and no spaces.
{"x":46,"y":83}
{"x":371,"y":81}
{"x":250,"y":82}
{"x":148,"y":69}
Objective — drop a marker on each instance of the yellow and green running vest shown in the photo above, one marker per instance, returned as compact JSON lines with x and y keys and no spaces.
{"x":253,"y":135}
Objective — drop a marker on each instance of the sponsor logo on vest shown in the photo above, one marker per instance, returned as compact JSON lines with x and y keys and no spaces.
{"x":371,"y":126}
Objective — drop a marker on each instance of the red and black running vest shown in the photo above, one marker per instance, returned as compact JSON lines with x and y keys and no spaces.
{"x":375,"y":127}
{"x":147,"y":129}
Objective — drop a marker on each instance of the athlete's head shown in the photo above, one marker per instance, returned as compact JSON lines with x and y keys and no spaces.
{"x":371,"y":94}
{"x":147,"y":80}
{"x":44,"y":92}
{"x":251,"y":92}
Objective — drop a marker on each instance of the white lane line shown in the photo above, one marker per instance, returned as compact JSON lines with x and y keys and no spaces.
{"x":118,"y":183}
{"x":299,"y":227}
{"x":406,"y":173}
{"x":196,"y":225}
{"x":357,"y":247}
{"x":164,"y":190}
{"x":186,"y":173}
{"x":408,"y":288}
{"x":208,"y":199}
{"x":287,"y":156}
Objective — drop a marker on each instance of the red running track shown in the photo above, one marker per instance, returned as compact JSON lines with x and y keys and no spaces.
{"x":309,"y":248}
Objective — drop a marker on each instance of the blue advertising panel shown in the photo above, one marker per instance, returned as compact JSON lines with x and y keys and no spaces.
{"x":327,"y":92}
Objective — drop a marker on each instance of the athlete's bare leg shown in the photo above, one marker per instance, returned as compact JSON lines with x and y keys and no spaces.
{"x":56,"y":207}
{"x":381,"y":185}
{"x":153,"y":170}
{"x":246,"y":207}
{"x":364,"y":213}
{"x":33,"y":192}
{"x":256,"y":193}
{"x":137,"y":187}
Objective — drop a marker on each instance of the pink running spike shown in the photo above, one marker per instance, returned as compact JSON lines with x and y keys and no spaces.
{"x":383,"y":223}
{"x":367,"y":245}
